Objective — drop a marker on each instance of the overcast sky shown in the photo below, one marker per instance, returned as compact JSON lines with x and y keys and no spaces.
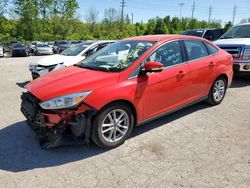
{"x":145,"y":9}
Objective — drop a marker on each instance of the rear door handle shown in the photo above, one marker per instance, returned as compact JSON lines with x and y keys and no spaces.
{"x":181,"y":74}
{"x":212,"y":64}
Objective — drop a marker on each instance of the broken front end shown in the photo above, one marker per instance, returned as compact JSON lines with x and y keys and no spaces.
{"x":53,"y":125}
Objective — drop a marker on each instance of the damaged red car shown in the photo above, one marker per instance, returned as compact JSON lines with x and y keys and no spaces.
{"x":125,"y":84}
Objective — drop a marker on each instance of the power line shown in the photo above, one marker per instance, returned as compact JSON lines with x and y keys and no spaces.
{"x":193,"y":8}
{"x":180,"y":4}
{"x":210,"y":13}
{"x":234,"y":14}
{"x":123,"y":4}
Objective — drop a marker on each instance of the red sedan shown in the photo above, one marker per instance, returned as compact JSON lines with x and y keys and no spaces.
{"x":125,"y":84}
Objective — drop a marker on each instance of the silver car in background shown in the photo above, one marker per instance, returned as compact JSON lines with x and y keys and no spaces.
{"x":43,"y":49}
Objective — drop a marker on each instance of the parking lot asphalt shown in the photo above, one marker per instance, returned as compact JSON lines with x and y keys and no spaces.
{"x":200,"y":146}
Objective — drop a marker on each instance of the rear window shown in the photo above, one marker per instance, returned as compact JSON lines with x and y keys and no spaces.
{"x":195,"y":49}
{"x":211,"y":49}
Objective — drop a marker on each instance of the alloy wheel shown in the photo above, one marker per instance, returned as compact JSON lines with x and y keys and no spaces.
{"x":219,"y":90}
{"x":115,"y":125}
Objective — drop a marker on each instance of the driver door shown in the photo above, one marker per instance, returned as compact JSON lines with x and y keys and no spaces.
{"x":165,"y":90}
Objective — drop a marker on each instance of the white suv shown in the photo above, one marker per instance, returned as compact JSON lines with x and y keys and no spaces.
{"x":236,"y":41}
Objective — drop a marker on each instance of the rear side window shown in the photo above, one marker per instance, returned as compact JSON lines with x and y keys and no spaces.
{"x":195,"y":49}
{"x":211,"y":49}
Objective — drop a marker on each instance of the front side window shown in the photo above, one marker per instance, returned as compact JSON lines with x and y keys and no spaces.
{"x":169,"y":54}
{"x":117,"y":56}
{"x":195,"y":49}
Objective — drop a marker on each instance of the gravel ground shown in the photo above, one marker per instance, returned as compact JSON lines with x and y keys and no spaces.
{"x":200,"y":146}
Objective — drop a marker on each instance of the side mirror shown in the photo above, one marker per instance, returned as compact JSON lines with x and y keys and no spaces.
{"x":153,"y":66}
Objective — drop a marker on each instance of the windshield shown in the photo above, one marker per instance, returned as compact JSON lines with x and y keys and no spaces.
{"x":75,"y":50}
{"x":117,"y":56}
{"x":43,"y":45}
{"x":241,"y":31}
{"x":63,"y":42}
{"x":18,"y":45}
{"x":197,"y":33}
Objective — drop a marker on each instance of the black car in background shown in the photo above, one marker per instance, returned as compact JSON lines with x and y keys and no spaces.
{"x":60,"y":46}
{"x":19,"y":50}
{"x":209,"y":34}
{"x":8,"y":46}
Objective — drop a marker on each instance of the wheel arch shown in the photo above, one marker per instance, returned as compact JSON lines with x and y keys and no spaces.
{"x":223,"y":75}
{"x":127,"y":102}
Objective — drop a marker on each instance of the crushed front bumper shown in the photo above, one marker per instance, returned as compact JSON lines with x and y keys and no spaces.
{"x":51,"y":127}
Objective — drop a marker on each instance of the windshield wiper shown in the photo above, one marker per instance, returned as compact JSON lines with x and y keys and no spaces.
{"x":92,"y":68}
{"x":226,"y":37}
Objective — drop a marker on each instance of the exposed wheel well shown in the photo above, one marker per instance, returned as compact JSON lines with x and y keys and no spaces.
{"x":132,"y":107}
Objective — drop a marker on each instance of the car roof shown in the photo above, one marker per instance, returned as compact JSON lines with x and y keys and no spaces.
{"x":243,"y":24}
{"x":204,"y":29}
{"x":159,"y":38}
{"x":102,"y":41}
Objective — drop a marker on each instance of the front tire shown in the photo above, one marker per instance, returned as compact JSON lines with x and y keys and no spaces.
{"x":112,"y":125}
{"x":217,"y":91}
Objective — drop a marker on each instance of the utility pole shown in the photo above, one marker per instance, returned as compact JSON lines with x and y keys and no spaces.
{"x":180,"y":4}
{"x":132,"y":18}
{"x":234,"y":13}
{"x":210,"y":13}
{"x":193,"y":8}
{"x":123,"y":4}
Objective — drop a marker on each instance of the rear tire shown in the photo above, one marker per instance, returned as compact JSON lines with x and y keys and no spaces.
{"x":112,"y":125}
{"x":217,"y":91}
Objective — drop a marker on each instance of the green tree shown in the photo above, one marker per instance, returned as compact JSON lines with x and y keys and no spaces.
{"x":45,"y":10}
{"x":160,"y":27}
{"x":228,"y":25}
{"x":27,"y":11}
{"x":151,"y":25}
{"x":91,"y":18}
{"x":175,"y":25}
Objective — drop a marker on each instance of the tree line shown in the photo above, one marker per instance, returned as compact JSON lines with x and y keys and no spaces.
{"x":49,"y":20}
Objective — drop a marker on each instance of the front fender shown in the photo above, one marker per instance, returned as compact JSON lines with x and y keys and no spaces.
{"x":127,"y":91}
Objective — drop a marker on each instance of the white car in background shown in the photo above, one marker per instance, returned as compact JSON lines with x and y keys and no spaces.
{"x":68,"y":57}
{"x":1,"y":51}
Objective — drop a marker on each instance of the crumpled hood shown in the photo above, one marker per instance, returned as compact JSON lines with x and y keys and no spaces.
{"x":70,"y":80}
{"x":233,"y":42}
{"x":54,"y":60}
